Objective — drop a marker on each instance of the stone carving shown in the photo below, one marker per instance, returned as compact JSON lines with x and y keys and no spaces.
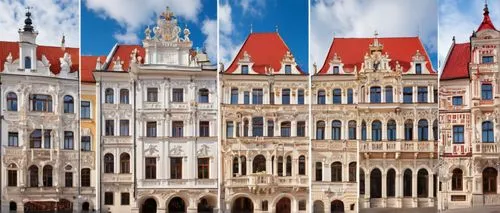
{"x":151,"y":149}
{"x":203,"y":151}
{"x":177,"y":150}
{"x":65,"y":62}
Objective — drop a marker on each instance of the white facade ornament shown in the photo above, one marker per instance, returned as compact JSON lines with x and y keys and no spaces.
{"x":151,"y":149}
{"x":204,"y":150}
{"x":118,"y":64}
{"x":65,"y":63}
{"x":177,"y":150}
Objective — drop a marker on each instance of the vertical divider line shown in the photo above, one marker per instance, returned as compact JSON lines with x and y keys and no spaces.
{"x":310,"y":162}
{"x":219,"y":122}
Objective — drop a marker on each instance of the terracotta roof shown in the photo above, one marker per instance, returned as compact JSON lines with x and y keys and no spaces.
{"x":123,"y":51}
{"x":265,"y":50}
{"x":486,"y":24}
{"x":51,"y":52}
{"x":352,"y":51}
{"x":88,"y":66}
{"x":457,"y":63}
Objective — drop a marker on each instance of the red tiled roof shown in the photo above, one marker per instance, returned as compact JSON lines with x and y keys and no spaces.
{"x":123,"y":51}
{"x":265,"y":50}
{"x":88,"y":66}
{"x":352,"y":51}
{"x":486,"y":24}
{"x":52,"y":54}
{"x":457,"y":63}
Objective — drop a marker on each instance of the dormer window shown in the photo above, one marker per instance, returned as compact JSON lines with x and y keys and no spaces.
{"x":288,"y":69}
{"x":487,"y":59}
{"x":336,"y":70}
{"x":244,"y":69}
{"x":27,"y":62}
{"x":418,"y":68}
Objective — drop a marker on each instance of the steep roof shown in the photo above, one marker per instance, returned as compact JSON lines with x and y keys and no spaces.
{"x":88,"y":66}
{"x":123,"y":51}
{"x":486,"y":24}
{"x":457,"y":63}
{"x":52,"y":54}
{"x":352,"y":51}
{"x":265,"y":50}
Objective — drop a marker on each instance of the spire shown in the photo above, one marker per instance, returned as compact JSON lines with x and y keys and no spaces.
{"x":27,"y":22}
{"x":486,"y":24}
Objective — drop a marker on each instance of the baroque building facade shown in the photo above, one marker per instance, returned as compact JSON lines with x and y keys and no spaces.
{"x":45,"y":166}
{"x":158,"y":124}
{"x":469,"y":109}
{"x":264,"y":129}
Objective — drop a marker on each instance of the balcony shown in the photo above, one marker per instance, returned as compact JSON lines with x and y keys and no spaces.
{"x":177,"y":183}
{"x":117,"y":178}
{"x":486,"y":148}
{"x":265,"y":108}
{"x":267,"y":140}
{"x":117,"y":140}
{"x":335,"y":145}
{"x":37,"y":155}
{"x":268,"y":180}
{"x":398,"y":146}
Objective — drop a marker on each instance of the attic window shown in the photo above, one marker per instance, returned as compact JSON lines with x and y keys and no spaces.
{"x":336,"y":70}
{"x":418,"y":68}
{"x":244,"y":69}
{"x":487,"y":59}
{"x":27,"y":62}
{"x":288,"y":69}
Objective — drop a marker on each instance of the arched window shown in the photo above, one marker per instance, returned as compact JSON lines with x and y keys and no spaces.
{"x":363,"y":130}
{"x":350,"y":96}
{"x":337,"y":96}
{"x":27,"y":62}
{"x":243,"y":166}
{"x":47,"y":176}
{"x":352,"y":172}
{"x":124,"y":96}
{"x":321,"y":97}
{"x":234,"y":95}
{"x":286,"y":129}
{"x":85,"y":177}
{"x":109,"y":96}
{"x":124,"y":163}
{"x":319,"y":171}
{"x":259,"y":164}
{"x":457,"y":180}
{"x":352,"y":130}
{"x":68,"y":176}
{"x":336,"y":129}
{"x":388,"y":94}
{"x":407,"y":183}
{"x":258,"y":126}
{"x":109,"y":162}
{"x":376,"y":184}
{"x":12,"y":206}
{"x":487,"y":128}
{"x":375,"y":95}
{"x":336,"y":168}
{"x":320,"y":130}
{"x":11,"y":101}
{"x":302,"y":165}
{"x":33,"y":176}
{"x":69,"y":105}
{"x":435,"y":130}
{"x":203,"y":95}
{"x":361,"y":181}
{"x":245,"y":128}
{"x":280,"y":166}
{"x":391,"y":130}
{"x":422,"y":183}
{"x":423,"y":130}
{"x":391,"y":183}
{"x":288,"y":166}
{"x":12,"y":175}
{"x":490,"y":180}
{"x":235,"y":166}
{"x":376,"y":131}
{"x":408,"y":130}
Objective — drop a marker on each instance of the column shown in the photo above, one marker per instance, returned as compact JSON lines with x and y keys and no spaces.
{"x":269,"y":165}
{"x":414,"y":94}
{"x":369,"y":131}
{"x":431,"y":186}
{"x":382,"y":94}
{"x":384,"y":189}
{"x":367,"y":185}
{"x":415,"y":129}
{"x":250,"y":130}
{"x":414,"y":189}
{"x":294,"y":128}
{"x":430,"y":94}
{"x":323,"y":170}
{"x":328,"y":130}
{"x":384,"y":130}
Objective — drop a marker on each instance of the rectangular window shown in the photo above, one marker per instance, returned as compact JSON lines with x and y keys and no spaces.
{"x":41,"y":103}
{"x":229,"y":129}
{"x":203,"y":95}
{"x":86,"y":141}
{"x":388,"y":95}
{"x":487,"y":59}
{"x":13,"y":139}
{"x":150,"y":168}
{"x":301,"y":129}
{"x":418,"y":68}
{"x":271,"y":97}
{"x":234,"y":96}
{"x":110,"y":127}
{"x":302,"y":205}
{"x":204,"y":129}
{"x":457,"y":101}
{"x":68,"y":140}
{"x":68,"y":179}
{"x":244,"y":69}
{"x":246,"y":97}
{"x":458,"y":134}
{"x":257,"y":95}
{"x":350,"y":97}
{"x":124,"y":96}
{"x":336,"y":70}
{"x":108,"y":198}
{"x":375,"y":95}
{"x":286,"y":129}
{"x":124,"y":128}
{"x":151,"y":129}
{"x":337,"y":96}
{"x":285,"y":96}
{"x":85,"y":110}
{"x":176,"y":168}
{"x":47,"y":138}
{"x":270,"y":128}
{"x":300,"y":96}
{"x":486,"y":91}
{"x":125,"y":198}
{"x":288,"y":69}
{"x":12,"y":178}
{"x":422,"y":94}
{"x":177,"y":129}
{"x":203,"y":168}
{"x":152,"y":95}
{"x":177,"y":95}
{"x":407,"y":95}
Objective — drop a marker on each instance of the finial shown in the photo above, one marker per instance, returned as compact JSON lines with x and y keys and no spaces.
{"x":63,"y":42}
{"x":453,"y":39}
{"x":486,"y":11}
{"x":376,"y":34}
{"x":27,"y":21}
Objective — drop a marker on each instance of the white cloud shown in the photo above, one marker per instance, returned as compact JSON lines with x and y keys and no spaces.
{"x":209,"y":28}
{"x":127,"y":37}
{"x":461,"y":21}
{"x":227,"y":47}
{"x":51,"y":19}
{"x":360,"y":18}
{"x":254,"y":7}
{"x":225,"y":22}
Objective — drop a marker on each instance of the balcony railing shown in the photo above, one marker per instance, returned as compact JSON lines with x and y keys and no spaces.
{"x":398,"y":146}
{"x":268,"y":180}
{"x":334,"y":145}
{"x":487,"y":148}
{"x":177,"y":183}
{"x":111,"y":178}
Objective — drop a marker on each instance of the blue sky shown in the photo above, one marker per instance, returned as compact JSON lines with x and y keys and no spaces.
{"x":361,"y":18}
{"x":459,"y":18}
{"x":236,"y":17}
{"x":105,"y":23}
